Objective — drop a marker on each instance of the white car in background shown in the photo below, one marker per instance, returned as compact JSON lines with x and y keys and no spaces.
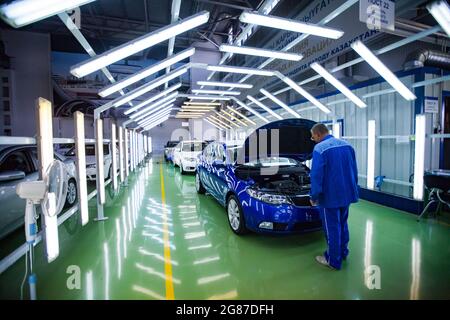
{"x":185,"y":155}
{"x":91,"y":169}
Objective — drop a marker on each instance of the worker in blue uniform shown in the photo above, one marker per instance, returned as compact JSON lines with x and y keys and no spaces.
{"x":334,"y":186}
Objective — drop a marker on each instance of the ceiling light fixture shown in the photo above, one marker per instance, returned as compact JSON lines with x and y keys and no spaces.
{"x":261,"y":52}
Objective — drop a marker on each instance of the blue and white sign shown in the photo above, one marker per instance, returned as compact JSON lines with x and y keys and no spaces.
{"x":431,"y":105}
{"x":377,"y":14}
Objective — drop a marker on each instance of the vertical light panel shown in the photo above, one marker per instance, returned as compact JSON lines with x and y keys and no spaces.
{"x":121,"y":155}
{"x":44,"y":140}
{"x":114,"y":155}
{"x":150,"y":144}
{"x":337,"y":130}
{"x":371,"y":154}
{"x":100,"y":175}
{"x":126,"y":152}
{"x":419,"y":156}
{"x":80,"y":162}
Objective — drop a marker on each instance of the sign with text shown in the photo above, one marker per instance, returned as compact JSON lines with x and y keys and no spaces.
{"x":431,"y":105}
{"x":377,"y":14}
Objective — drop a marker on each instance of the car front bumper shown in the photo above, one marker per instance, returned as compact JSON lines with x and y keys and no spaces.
{"x":189,"y":166}
{"x":284,"y":218}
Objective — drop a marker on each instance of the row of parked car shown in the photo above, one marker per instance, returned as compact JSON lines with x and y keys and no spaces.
{"x":20,"y":163}
{"x":263,"y":193}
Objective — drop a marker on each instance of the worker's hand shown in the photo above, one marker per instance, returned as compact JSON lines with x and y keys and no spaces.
{"x":314,"y":203}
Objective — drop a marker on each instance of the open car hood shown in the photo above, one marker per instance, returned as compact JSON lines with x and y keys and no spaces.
{"x":293,"y":137}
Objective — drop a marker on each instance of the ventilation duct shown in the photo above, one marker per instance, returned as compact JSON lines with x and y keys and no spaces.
{"x":427,"y":58}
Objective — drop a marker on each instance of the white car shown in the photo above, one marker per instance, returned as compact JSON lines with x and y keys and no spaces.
{"x":185,"y":155}
{"x":91,"y":169}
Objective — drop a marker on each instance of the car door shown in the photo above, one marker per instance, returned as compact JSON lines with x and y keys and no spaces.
{"x":204,"y":168}
{"x":218,"y":173}
{"x":13,"y":207}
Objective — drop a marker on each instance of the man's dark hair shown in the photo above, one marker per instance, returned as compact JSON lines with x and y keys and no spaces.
{"x":320,"y":128}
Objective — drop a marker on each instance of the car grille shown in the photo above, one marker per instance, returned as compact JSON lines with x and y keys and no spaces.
{"x":302,"y":201}
{"x":302,"y":226}
{"x":279,"y":226}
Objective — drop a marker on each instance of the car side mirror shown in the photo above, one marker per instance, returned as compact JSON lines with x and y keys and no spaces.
{"x":11,"y":175}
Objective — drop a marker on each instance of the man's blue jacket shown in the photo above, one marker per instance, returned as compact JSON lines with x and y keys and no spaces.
{"x":334,"y":173}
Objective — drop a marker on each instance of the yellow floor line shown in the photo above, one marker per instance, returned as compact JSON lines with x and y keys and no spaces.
{"x":167,"y":262}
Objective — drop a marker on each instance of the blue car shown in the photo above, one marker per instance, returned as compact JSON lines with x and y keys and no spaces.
{"x":268,"y":191}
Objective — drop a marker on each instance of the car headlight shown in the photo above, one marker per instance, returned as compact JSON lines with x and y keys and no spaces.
{"x":268,"y":197}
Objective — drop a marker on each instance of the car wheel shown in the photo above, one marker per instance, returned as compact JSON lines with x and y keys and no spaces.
{"x":72,"y":194}
{"x":235,"y":216}
{"x":198,"y":184}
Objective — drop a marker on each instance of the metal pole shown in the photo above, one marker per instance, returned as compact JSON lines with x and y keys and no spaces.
{"x":80,"y":161}
{"x":100,"y":176}
{"x":121,"y":154}
{"x":114,"y":155}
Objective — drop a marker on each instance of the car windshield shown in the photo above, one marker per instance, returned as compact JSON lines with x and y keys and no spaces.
{"x":193,"y":146}
{"x":90,"y":150}
{"x":272,"y":162}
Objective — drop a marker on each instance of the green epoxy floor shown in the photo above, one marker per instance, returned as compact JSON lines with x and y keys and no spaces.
{"x":123,"y":257}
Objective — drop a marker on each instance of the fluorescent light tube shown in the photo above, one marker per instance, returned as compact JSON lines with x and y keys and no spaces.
{"x":241,"y":70}
{"x":215,"y":125}
{"x":139,"y":44}
{"x":241,"y":115}
{"x":419,"y":155}
{"x":231,"y":93}
{"x":193,"y":97}
{"x":153,"y":110}
{"x":155,"y":115}
{"x":440,"y":10}
{"x":195,"y":110}
{"x":144,"y":73}
{"x":279,"y":102}
{"x":225,"y":118}
{"x":235,"y":118}
{"x":382,"y":70}
{"x":243,"y":105}
{"x":338,"y":85}
{"x":289,"y":24}
{"x":148,"y":87}
{"x":203,"y":103}
{"x":225,"y":84}
{"x":197,"y":107}
{"x":264,"y":107}
{"x":150,"y":122}
{"x":155,"y":124}
{"x":171,"y":97}
{"x":371,"y":154}
{"x":220,"y":121}
{"x":154,"y":98}
{"x":304,"y":93}
{"x":260,"y":52}
{"x":23,"y":12}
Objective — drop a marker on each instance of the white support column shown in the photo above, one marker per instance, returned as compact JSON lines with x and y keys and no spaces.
{"x":100,"y":174}
{"x":133,"y":147}
{"x":114,"y":156}
{"x":121,"y":155}
{"x":371,"y":130}
{"x":337,"y":130}
{"x":44,"y":141}
{"x":419,"y":155}
{"x":80,"y":162}
{"x":126,"y":152}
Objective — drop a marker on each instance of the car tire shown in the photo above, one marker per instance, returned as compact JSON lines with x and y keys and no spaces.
{"x":72,"y":194}
{"x":198,"y":184}
{"x":235,"y":216}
